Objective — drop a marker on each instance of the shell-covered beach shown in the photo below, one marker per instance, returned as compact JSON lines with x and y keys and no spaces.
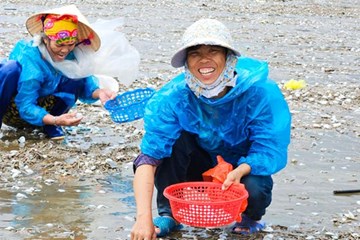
{"x":81,"y":188}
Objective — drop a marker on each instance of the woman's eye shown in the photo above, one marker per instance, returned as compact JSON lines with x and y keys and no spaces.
{"x":192,"y":53}
{"x":215,"y":50}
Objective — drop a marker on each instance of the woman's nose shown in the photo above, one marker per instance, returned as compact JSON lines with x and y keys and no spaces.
{"x":66,"y":49}
{"x":204,"y":57}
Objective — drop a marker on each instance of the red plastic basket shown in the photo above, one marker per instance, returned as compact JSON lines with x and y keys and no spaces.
{"x":205,"y":204}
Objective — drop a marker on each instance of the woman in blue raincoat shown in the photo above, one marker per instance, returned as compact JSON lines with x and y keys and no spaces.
{"x":222,"y":104}
{"x":45,"y":77}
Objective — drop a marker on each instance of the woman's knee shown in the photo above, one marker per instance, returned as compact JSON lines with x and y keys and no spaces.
{"x":259,"y":188}
{"x":260,"y":195}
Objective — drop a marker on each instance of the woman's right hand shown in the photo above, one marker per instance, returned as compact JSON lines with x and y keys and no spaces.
{"x":68,"y":119}
{"x":143,"y":229}
{"x":143,"y":191}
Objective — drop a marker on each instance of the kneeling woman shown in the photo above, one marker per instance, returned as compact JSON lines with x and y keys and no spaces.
{"x":35,"y":84}
{"x":222,"y":104}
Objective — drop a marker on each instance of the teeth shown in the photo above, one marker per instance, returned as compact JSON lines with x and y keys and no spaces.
{"x":206,"y":70}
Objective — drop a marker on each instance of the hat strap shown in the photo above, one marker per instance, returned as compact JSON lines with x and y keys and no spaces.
{"x":43,"y":17}
{"x":85,"y":42}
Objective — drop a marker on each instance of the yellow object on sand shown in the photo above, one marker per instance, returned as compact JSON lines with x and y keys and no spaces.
{"x":294,"y":84}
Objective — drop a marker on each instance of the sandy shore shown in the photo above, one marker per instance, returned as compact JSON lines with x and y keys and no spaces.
{"x":316,"y":42}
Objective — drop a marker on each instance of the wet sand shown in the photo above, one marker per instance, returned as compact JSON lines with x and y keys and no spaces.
{"x":314,"y":41}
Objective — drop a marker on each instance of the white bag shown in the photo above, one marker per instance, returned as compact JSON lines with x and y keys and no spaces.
{"x":116,"y":57}
{"x":106,"y":82}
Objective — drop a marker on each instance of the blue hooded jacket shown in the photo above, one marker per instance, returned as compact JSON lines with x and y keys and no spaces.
{"x":38,"y":79}
{"x":250,"y":124}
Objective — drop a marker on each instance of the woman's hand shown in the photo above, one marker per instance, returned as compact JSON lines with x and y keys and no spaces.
{"x":143,"y":229}
{"x":235,"y":175}
{"x":143,"y":192}
{"x":69,"y":119}
{"x":104,"y":95}
{"x":66,"y":119}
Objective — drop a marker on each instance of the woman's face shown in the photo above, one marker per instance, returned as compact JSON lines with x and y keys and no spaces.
{"x":206,"y":62}
{"x":58,"y":52}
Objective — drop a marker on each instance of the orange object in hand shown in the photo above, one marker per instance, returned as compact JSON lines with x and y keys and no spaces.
{"x":219,"y":172}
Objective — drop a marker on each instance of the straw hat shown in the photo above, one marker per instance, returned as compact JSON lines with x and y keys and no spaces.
{"x":34,"y":24}
{"x":203,"y":31}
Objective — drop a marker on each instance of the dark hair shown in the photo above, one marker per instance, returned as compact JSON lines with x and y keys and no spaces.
{"x":226,"y":50}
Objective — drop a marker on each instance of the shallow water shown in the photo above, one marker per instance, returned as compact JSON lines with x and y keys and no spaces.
{"x":36,"y":208}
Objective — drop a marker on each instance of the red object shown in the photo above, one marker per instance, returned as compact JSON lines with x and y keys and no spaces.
{"x":219,"y":172}
{"x":205,"y":204}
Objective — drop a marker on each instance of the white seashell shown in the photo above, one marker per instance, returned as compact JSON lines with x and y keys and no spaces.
{"x":15,"y":173}
{"x":101,"y":206}
{"x":21,"y":139}
{"x":49,"y":181}
{"x":102,"y":227}
{"x":28,"y":170}
{"x":111,"y":163}
{"x":350,"y":215}
{"x":268,"y":229}
{"x":29,"y":190}
{"x":20,"y":196}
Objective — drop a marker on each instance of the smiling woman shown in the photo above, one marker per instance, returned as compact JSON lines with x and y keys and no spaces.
{"x":222,"y":104}
{"x":60,"y":35}
{"x":58,"y":52}
{"x":40,"y":82}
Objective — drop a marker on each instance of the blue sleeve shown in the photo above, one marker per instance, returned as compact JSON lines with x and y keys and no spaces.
{"x":29,"y":86}
{"x":269,"y":123}
{"x":91,"y":84}
{"x":161,"y":125}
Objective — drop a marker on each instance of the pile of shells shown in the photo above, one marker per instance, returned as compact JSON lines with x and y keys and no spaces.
{"x":326,"y":107}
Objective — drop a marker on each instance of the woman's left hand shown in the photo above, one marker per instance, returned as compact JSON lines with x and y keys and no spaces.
{"x":235,"y":175}
{"x":104,"y":95}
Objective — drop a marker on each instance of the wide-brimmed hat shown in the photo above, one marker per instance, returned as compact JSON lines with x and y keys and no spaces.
{"x":203,"y":31}
{"x":34,"y":25}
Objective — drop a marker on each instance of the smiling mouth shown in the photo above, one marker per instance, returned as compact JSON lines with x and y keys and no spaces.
{"x":206,"y":71}
{"x":60,"y":57}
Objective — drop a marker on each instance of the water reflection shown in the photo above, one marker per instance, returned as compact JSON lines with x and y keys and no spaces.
{"x":37,"y":208}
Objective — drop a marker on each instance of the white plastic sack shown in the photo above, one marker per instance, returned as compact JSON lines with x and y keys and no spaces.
{"x":108,"y":82}
{"x":116,"y":57}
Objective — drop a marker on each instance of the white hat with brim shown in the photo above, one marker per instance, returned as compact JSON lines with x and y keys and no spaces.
{"x":34,"y":25}
{"x":203,"y":32}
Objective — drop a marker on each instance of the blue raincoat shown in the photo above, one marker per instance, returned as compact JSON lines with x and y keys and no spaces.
{"x":250,"y":124}
{"x":38,"y":79}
